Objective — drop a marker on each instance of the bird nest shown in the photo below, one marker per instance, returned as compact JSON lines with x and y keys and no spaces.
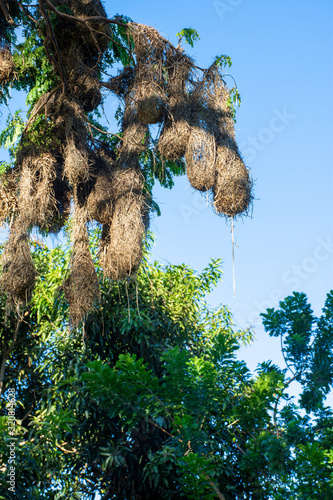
{"x":36,"y":200}
{"x":135,"y":133}
{"x":87,"y":92}
{"x":8,"y":196}
{"x":176,"y":129}
{"x":232,"y":190}
{"x":150,"y":103}
{"x":18,"y":271}
{"x":81,"y":286}
{"x":200,"y":159}
{"x":100,"y":200}
{"x":6,"y":65}
{"x":121,"y":243}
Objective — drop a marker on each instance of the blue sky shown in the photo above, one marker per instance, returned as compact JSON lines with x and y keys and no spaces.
{"x":282,"y":63}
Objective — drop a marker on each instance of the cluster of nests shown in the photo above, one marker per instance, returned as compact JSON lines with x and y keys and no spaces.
{"x":70,"y":173}
{"x":195,"y":115}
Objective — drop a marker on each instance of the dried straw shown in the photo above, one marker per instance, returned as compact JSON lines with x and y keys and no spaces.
{"x":81,"y":287}
{"x":6,"y":65}
{"x":233,"y":187}
{"x":18,"y":271}
{"x":87,"y":92}
{"x":76,"y":154}
{"x":121,"y":244}
{"x":200,"y":159}
{"x":36,"y":200}
{"x":100,"y":201}
{"x":8,"y":196}
{"x":150,"y":102}
{"x":176,"y":129}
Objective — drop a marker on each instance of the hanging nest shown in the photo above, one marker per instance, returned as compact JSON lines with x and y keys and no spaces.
{"x":121,"y":243}
{"x":100,"y":200}
{"x":6,"y":65}
{"x":76,"y":153}
{"x":43,"y":195}
{"x":149,"y":85}
{"x":87,"y":92}
{"x":76,"y":167}
{"x":8,"y":196}
{"x":173,"y":140}
{"x":149,"y":48}
{"x":150,"y":103}
{"x":176,"y":130}
{"x":174,"y":136}
{"x":180,"y":69}
{"x":135,"y":133}
{"x":200,"y":159}
{"x":62,"y":195}
{"x":135,"y":138}
{"x":81,"y":287}
{"x":36,"y":201}
{"x":18,"y":271}
{"x":233,"y":187}
{"x":210,"y":106}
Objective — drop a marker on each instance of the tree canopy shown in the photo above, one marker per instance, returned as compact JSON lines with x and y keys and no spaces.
{"x":148,"y":398}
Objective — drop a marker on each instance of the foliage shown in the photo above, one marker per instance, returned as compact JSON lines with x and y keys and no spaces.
{"x":307,"y":344}
{"x":148,"y":400}
{"x":189,"y":34}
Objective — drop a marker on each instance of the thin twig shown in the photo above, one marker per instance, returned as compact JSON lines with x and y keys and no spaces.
{"x":104,"y":132}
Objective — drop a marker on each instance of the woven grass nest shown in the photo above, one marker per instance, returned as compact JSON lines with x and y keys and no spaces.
{"x":173,"y":140}
{"x":135,"y":133}
{"x":150,"y":103}
{"x":177,"y":125}
{"x":100,"y":200}
{"x":176,"y":129}
{"x":6,"y":65}
{"x":121,"y":243}
{"x":18,"y":271}
{"x":200,"y":159}
{"x":81,"y":286}
{"x":43,"y":198}
{"x":36,"y":200}
{"x":232,"y":190}
{"x":77,"y":167}
{"x":87,"y":92}
{"x":8,"y":196}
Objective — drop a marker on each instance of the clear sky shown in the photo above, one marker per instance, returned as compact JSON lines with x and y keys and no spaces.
{"x":282,"y":63}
